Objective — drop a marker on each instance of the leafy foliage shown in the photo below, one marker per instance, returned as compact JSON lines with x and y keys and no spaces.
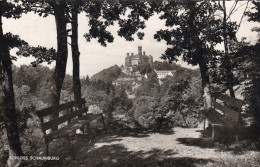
{"x":236,"y":63}
{"x":97,"y":27}
{"x":11,"y":9}
{"x":191,"y":34}
{"x":33,"y":90}
{"x":32,"y":78}
{"x":251,"y":66}
{"x":177,"y":100}
{"x":14,"y":41}
{"x":122,"y":103}
{"x":145,"y":109}
{"x":149,"y":86}
{"x":106,"y":97}
{"x":160,"y":66}
{"x":254,"y":16}
{"x":104,"y":14}
{"x":133,"y":23}
{"x":145,"y":68}
{"x":42,"y":54}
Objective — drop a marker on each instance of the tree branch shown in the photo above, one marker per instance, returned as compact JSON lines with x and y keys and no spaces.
{"x":242,"y":16}
{"x":232,"y":9}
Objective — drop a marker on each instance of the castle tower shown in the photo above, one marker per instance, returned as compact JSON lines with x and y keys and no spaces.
{"x":139,"y":58}
{"x":139,"y":50}
{"x":127,"y":60}
{"x":151,"y":60}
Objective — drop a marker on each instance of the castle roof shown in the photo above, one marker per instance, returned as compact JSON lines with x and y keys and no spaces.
{"x":137,"y":56}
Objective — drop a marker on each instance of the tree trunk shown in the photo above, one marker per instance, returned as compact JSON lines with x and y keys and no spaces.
{"x":7,"y":101}
{"x":62,"y":55}
{"x":227,"y":62}
{"x":75,"y":53}
{"x":256,"y":90}
{"x":202,"y":64}
{"x":257,"y":79}
{"x":205,"y":85}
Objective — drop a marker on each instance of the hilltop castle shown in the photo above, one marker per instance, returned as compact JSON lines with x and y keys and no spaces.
{"x":138,"y":59}
{"x":131,"y":73}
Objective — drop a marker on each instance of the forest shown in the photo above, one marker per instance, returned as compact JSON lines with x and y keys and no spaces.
{"x":193,"y":33}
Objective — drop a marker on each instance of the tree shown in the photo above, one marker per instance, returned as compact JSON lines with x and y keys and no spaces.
{"x":176,"y":98}
{"x":252,"y":94}
{"x":228,"y":31}
{"x":145,"y":109}
{"x":145,"y":68}
{"x":101,"y":15}
{"x":104,"y":14}
{"x":180,"y":97}
{"x":224,"y":71}
{"x":58,"y":9}
{"x":149,"y":86}
{"x":87,"y":80}
{"x":75,"y":6}
{"x":62,"y":50}
{"x":6,"y":92}
{"x":193,"y":33}
{"x":122,"y":103}
{"x":102,"y":95}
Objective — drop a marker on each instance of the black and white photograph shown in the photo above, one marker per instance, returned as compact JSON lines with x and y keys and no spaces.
{"x":129,"y":83}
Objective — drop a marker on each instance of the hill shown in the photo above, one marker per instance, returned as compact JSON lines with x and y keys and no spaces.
{"x":107,"y":75}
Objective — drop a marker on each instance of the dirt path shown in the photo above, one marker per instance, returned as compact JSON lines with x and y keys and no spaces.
{"x":180,"y":142}
{"x":180,"y":147}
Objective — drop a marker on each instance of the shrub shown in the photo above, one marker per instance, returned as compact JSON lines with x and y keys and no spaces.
{"x":146,"y":111}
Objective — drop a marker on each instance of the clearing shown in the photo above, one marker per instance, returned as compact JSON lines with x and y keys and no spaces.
{"x":176,"y":147}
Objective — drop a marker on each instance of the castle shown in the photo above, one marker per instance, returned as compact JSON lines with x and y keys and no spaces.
{"x":131,"y":69}
{"x":138,"y":59}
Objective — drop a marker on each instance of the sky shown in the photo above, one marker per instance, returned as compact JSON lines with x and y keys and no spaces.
{"x":94,"y":57}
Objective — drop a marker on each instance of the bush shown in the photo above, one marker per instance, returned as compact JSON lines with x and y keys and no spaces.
{"x":144,"y":117}
{"x":178,"y":99}
{"x":146,"y":111}
{"x":32,"y":137}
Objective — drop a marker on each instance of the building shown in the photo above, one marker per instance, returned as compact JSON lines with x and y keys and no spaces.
{"x":164,"y":74}
{"x":137,"y":59}
{"x":133,"y":74}
{"x":122,"y":81}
